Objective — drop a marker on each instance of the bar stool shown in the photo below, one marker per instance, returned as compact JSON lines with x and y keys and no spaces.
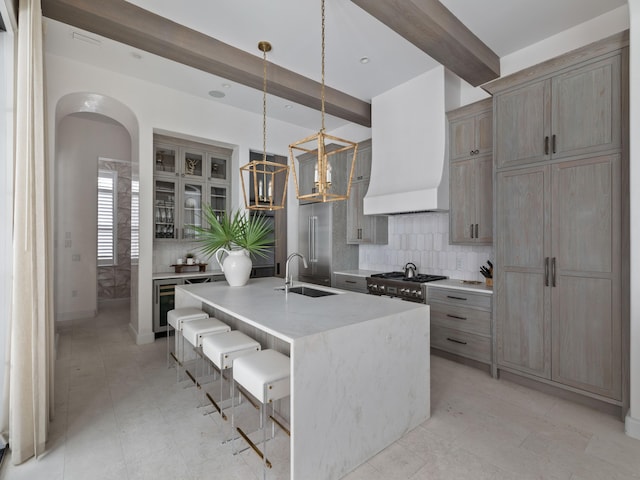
{"x":222,"y":350}
{"x":175,"y":319}
{"x":194,"y":331}
{"x":266,"y":376}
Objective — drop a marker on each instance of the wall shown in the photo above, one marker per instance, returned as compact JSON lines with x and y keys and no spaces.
{"x":114,"y":281}
{"x":81,"y":139}
{"x":423,"y":238}
{"x":162,"y":110}
{"x":632,"y":424}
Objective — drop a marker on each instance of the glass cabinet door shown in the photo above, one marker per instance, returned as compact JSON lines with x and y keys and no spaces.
{"x":165,"y":212}
{"x":192,"y":195}
{"x":218,"y":199}
{"x":193,"y":164}
{"x":165,"y":163}
{"x":217,"y":168}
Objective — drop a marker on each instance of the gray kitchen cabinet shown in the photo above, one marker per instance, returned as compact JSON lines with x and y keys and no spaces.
{"x":471,"y":130}
{"x":353,"y":283}
{"x":573,"y":112}
{"x":471,"y":175}
{"x":186,"y":176}
{"x":461,"y":323}
{"x":561,"y":245}
{"x":558,"y":290}
{"x":361,"y":228}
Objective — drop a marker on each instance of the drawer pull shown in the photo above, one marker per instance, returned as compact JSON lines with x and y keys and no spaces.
{"x":350,"y":281}
{"x":456,"y":317}
{"x":456,"y":298}
{"x":456,"y":341}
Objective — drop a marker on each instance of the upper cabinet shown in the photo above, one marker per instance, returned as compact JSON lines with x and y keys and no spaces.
{"x":361,"y":228}
{"x":187,"y":176}
{"x":571,"y":113}
{"x":471,"y":174}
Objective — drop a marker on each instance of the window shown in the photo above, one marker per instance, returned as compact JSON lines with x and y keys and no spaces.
{"x":107,"y":218}
{"x":135,"y":219}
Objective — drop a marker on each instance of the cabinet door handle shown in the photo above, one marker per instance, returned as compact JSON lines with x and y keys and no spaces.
{"x":471,"y":152}
{"x":476,"y":151}
{"x":546,"y":145}
{"x":546,"y":271}
{"x":476,"y":230}
{"x":553,"y":143}
{"x":553,"y":272}
{"x":471,"y":230}
{"x":456,"y":317}
{"x":456,"y":341}
{"x":456,"y":298}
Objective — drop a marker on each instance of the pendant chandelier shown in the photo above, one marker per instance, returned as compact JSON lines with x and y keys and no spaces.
{"x":325,"y":163}
{"x":266,"y":181}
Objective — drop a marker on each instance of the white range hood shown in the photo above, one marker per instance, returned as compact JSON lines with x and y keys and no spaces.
{"x":409,"y":144}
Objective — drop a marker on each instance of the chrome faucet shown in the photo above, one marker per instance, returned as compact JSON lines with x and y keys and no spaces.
{"x":288,"y":278}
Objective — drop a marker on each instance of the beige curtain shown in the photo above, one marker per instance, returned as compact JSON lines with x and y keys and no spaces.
{"x":31,"y":363}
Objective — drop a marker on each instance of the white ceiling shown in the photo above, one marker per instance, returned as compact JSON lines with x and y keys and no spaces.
{"x":293,"y":28}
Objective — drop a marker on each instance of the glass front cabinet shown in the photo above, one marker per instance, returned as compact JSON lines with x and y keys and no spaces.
{"x":187,"y":176}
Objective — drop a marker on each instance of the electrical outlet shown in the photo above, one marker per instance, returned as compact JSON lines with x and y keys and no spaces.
{"x":459,"y":263}
{"x":75,"y":257}
{"x":67,"y":244}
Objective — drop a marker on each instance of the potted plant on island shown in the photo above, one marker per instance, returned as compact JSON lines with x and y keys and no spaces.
{"x":238,"y":235}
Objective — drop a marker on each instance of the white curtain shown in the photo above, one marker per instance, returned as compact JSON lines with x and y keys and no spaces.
{"x":31,"y":365}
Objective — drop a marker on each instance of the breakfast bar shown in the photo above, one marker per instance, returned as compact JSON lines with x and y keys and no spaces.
{"x":359,"y":365}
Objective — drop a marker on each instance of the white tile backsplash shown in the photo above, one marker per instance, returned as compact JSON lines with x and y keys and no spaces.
{"x":423,"y":238}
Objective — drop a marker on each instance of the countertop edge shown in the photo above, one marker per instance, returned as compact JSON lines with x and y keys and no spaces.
{"x":458,"y":285}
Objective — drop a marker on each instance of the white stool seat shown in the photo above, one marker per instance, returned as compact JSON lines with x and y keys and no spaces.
{"x":264,"y":374}
{"x":176,"y":317}
{"x":193,"y":331}
{"x":223,"y":349}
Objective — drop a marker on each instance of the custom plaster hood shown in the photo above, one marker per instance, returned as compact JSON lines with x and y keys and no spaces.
{"x":409,"y":171}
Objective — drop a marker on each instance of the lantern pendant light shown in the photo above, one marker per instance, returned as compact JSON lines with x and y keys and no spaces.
{"x":325,"y":163}
{"x":264,"y":178}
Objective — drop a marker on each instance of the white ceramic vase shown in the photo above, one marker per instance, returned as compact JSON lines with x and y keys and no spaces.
{"x":236,"y":266}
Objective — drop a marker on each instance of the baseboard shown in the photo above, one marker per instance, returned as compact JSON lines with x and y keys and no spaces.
{"x":114,"y":303}
{"x":141,"y":339}
{"x":632,"y":426}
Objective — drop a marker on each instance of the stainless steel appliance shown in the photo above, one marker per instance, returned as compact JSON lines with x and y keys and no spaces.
{"x":322,"y":240}
{"x":397,"y":285}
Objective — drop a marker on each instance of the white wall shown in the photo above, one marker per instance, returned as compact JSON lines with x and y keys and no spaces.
{"x":158,"y":108}
{"x":79,"y":143}
{"x":632,"y":424}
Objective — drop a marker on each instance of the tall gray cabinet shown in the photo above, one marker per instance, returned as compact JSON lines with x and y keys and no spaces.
{"x":560,"y":191}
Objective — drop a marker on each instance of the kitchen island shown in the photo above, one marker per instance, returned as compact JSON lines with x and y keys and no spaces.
{"x":359,"y":366}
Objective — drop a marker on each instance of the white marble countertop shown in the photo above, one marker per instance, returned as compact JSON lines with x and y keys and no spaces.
{"x":357,"y":273}
{"x":191,"y":274}
{"x":458,"y":285}
{"x":293,"y":316}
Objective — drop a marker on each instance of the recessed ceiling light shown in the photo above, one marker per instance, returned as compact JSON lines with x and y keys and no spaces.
{"x":217,"y":94}
{"x":288,"y":107}
{"x":136,"y":55}
{"x":364,"y":60}
{"x":226,"y":85}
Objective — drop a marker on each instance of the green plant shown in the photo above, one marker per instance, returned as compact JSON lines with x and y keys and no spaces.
{"x":190,"y":255}
{"x":235,"y":229}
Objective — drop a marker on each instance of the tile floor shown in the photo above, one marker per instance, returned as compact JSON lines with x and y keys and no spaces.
{"x":120,"y":415}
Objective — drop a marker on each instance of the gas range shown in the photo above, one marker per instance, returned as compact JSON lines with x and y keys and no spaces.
{"x":395,"y":284}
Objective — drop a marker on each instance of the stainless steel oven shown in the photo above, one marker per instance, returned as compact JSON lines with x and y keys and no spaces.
{"x":396,"y":285}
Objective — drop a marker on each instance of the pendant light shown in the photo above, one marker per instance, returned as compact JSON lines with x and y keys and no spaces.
{"x":325,"y":163}
{"x":264,"y":178}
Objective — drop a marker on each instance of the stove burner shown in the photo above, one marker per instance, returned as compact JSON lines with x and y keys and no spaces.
{"x":419,"y":278}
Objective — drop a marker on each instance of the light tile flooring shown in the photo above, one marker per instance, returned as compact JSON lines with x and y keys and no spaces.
{"x":120,"y":415}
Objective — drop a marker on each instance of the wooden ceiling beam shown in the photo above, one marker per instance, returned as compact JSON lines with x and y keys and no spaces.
{"x":432,"y":28}
{"x":129,"y":24}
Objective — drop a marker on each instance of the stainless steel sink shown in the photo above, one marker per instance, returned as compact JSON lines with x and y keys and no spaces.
{"x":309,"y":292}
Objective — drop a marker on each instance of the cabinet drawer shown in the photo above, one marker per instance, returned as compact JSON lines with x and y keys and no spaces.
{"x":461,"y":318}
{"x":351,"y":282}
{"x":465,"y":344}
{"x":459,"y":297}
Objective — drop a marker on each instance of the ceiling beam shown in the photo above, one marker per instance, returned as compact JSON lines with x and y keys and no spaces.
{"x":432,"y":28}
{"x":129,"y":24}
